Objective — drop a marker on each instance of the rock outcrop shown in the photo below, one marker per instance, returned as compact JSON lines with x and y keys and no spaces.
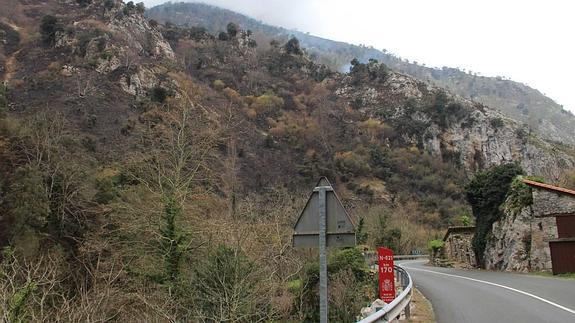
{"x":475,"y":135}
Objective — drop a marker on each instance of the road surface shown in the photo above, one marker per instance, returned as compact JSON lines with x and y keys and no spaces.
{"x":460,"y":296}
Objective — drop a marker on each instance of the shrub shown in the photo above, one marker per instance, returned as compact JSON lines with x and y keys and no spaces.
{"x":360,"y":232}
{"x":252,"y":43}
{"x":87,"y":36}
{"x":348,"y":263}
{"x":232,"y":95}
{"x":3,"y":100}
{"x":268,"y":102}
{"x":228,"y":285}
{"x":435,"y":245}
{"x":223,"y":36}
{"x":496,"y":123}
{"x":30,"y":204}
{"x":350,"y":163}
{"x":48,"y":28}
{"x":293,"y":47}
{"x":218,"y":85}
{"x":520,"y":194}
{"x":465,"y":220}
{"x":198,"y":33}
{"x":107,"y":186}
{"x":446,"y":111}
{"x":486,"y":192}
{"x":159,"y":94}
{"x":568,"y":179}
{"x":140,"y":8}
{"x":385,"y":236}
{"x":84,"y":3}
{"x":435,"y":248}
{"x":232,"y":29}
{"x":129,"y":8}
{"x":109,"y":4}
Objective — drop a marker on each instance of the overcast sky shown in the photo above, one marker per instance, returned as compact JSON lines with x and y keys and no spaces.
{"x":528,"y":41}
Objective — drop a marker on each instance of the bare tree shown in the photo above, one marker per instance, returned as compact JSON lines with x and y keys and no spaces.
{"x":27,"y":287}
{"x":176,"y":170}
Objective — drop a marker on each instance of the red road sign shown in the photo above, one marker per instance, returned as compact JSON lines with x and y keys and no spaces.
{"x":386,"y":274}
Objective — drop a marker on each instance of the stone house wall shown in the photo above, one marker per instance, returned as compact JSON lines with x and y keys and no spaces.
{"x":458,"y":247}
{"x":546,"y":205}
{"x":520,"y":242}
{"x":549,"y":203}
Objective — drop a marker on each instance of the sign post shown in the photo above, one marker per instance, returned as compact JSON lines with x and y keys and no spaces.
{"x":323,"y":223}
{"x":386,"y":274}
{"x":322,"y":256}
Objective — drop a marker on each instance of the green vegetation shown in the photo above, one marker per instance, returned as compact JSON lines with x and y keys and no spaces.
{"x":219,"y":85}
{"x":109,"y":4}
{"x":435,"y":245}
{"x":232,"y":29}
{"x":349,"y":280}
{"x":465,"y":220}
{"x":385,"y":236}
{"x":520,"y":194}
{"x":372,"y":71}
{"x":48,"y":29}
{"x":129,"y":8}
{"x":360,"y":234}
{"x":223,"y":36}
{"x":496,"y":123}
{"x":3,"y":100}
{"x":568,"y":179}
{"x":84,"y":3}
{"x":293,"y":47}
{"x":445,"y":111}
{"x":159,"y":94}
{"x":486,"y":193}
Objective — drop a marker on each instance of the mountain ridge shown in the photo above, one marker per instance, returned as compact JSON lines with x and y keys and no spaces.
{"x":516,"y":100}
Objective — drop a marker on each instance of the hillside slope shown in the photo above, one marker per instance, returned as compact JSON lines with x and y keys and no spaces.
{"x":138,"y":159}
{"x":516,"y":100}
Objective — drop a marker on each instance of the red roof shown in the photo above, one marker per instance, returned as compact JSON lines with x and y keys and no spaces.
{"x":549,"y":187}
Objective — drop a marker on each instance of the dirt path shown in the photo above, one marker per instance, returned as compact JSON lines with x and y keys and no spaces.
{"x":12,"y":39}
{"x":10,"y":66}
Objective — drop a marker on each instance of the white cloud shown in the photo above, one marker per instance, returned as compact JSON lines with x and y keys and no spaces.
{"x":528,"y":41}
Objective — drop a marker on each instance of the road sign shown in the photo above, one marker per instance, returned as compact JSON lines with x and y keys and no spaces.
{"x":322,"y":223}
{"x":340,"y":228}
{"x":386,"y":274}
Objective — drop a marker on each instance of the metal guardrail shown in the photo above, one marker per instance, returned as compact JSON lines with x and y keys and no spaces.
{"x":409,"y":257}
{"x":392,"y":310}
{"x":371,"y":257}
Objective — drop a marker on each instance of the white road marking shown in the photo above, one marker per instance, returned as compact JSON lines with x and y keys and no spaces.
{"x":497,"y":285}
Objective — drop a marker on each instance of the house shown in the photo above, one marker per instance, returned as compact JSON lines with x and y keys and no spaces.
{"x":553,"y":234}
{"x":457,"y":245}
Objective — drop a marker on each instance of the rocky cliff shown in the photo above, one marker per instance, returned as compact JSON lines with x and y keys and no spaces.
{"x":475,"y":135}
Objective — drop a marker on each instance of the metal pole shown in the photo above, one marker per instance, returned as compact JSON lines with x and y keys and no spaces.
{"x":322,"y":257}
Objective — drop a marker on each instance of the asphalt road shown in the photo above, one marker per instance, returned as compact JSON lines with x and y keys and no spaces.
{"x":460,"y":296}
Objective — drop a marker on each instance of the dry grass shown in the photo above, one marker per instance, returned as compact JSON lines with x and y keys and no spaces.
{"x":421,"y":309}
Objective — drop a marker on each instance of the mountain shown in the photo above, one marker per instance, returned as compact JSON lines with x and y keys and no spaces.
{"x":152,"y":172}
{"x":515,"y":100}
